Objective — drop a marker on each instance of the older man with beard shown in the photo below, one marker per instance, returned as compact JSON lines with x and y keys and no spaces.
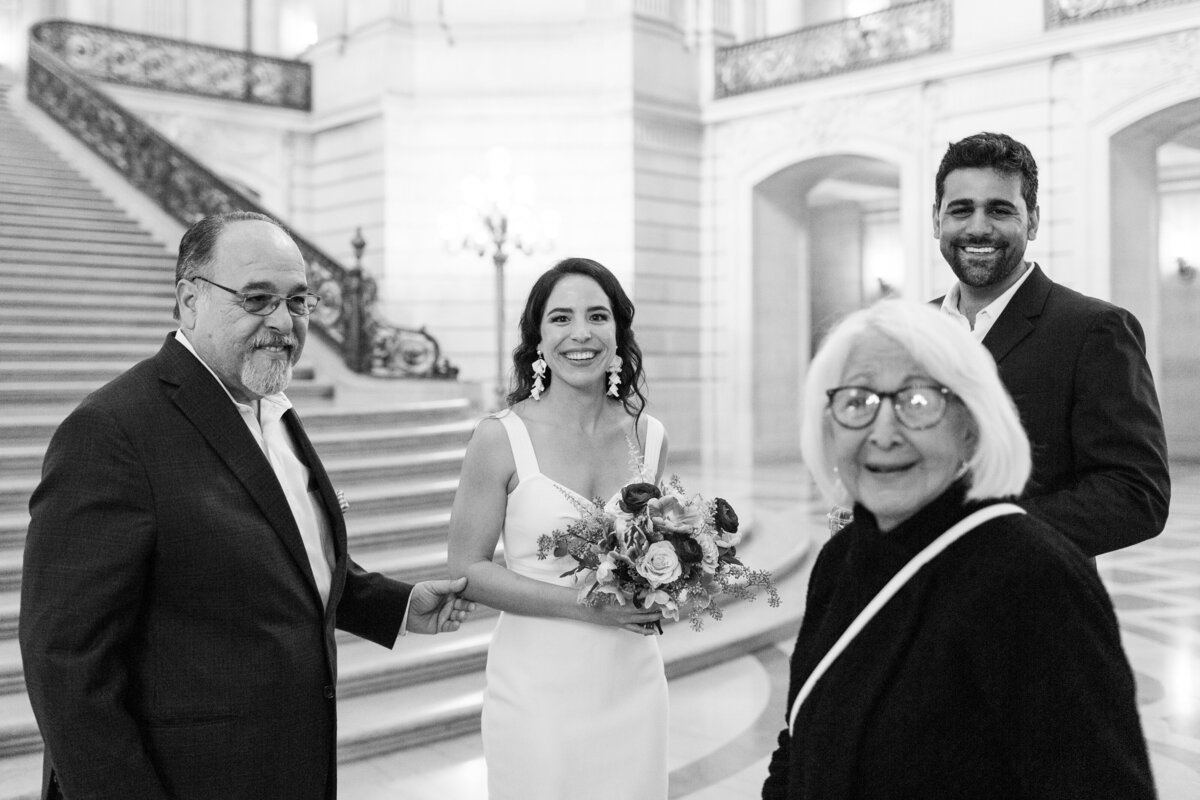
{"x":1075,"y":366}
{"x":186,"y":561}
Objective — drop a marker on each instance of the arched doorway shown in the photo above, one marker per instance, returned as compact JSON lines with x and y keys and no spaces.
{"x":826,"y":241}
{"x":1155,"y":247}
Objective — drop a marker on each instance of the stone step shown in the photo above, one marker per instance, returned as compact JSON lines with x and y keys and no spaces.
{"x":345,"y":417}
{"x":18,"y":186}
{"x":151,"y":276}
{"x":20,"y":459}
{"x":158,"y":260}
{"x":18,"y":245}
{"x":376,"y":532}
{"x":47,"y":166}
{"x":50,"y":210}
{"x":49,"y":198}
{"x":97,"y":371}
{"x":380,"y":464}
{"x":129,"y":352}
{"x":12,"y":675}
{"x":392,"y":439}
{"x":31,"y":174}
{"x":334,"y":431}
{"x":70,"y":296}
{"x":156,"y":317}
{"x":379,"y":497}
{"x":73,"y":290}
{"x":102,"y":332}
{"x":21,"y":777}
{"x":75,"y":391}
{"x":100,"y":371}
{"x":71,"y":227}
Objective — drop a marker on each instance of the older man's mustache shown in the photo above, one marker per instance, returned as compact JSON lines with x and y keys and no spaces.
{"x":276,"y":341}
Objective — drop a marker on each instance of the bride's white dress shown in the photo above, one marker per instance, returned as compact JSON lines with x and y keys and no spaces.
{"x":572,"y":710}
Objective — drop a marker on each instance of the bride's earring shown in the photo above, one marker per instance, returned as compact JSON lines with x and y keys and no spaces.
{"x":539,"y":372}
{"x":614,"y":376}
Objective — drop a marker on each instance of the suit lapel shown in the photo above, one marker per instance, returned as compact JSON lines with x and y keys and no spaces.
{"x":203,"y":401}
{"x":333,"y":509}
{"x":1018,"y":319}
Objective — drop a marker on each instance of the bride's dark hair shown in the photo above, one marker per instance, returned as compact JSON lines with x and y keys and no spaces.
{"x":632,"y":379}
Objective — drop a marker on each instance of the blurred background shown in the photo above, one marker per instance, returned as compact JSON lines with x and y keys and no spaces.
{"x":750,"y":170}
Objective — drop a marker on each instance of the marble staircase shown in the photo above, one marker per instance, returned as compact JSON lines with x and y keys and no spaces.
{"x":85,"y":292}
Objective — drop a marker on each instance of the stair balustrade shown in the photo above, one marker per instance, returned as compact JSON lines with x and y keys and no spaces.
{"x":894,"y":34}
{"x":187,"y":190}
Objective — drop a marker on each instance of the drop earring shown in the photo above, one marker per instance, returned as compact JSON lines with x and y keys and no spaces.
{"x":614,"y":376}
{"x":539,"y":372}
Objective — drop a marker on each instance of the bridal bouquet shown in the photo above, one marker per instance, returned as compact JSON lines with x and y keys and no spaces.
{"x":663,"y":548}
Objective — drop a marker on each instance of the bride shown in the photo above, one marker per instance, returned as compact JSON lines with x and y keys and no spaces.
{"x":576,"y":699}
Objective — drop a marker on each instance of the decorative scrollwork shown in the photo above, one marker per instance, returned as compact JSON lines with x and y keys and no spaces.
{"x":188,"y":191}
{"x":173,"y":65}
{"x":885,"y":36}
{"x":1067,"y":12}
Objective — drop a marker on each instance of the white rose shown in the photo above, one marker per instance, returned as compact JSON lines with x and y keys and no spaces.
{"x":712,"y":553}
{"x":660,"y":564}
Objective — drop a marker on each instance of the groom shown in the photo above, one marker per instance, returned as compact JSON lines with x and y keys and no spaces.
{"x":186,"y":560}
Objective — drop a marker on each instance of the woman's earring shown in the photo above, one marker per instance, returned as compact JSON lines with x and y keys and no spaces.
{"x":539,"y":372}
{"x":614,"y":376}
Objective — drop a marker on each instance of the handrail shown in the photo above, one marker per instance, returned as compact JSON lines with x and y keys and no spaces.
{"x":175,"y":65}
{"x":1069,"y":12}
{"x":188,"y":191}
{"x":882,"y":37}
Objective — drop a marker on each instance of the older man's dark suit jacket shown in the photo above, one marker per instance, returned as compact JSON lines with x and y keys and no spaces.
{"x":173,"y":638}
{"x":1076,"y":368}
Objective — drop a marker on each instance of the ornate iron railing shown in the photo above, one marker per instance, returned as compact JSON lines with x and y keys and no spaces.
{"x":882,"y":37}
{"x":152,"y":62}
{"x":187,"y":190}
{"x":1068,"y":12}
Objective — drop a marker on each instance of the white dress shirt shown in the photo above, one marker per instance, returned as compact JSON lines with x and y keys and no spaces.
{"x":265,"y":420}
{"x":987,"y":316}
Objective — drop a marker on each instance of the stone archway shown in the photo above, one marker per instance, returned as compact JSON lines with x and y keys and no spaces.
{"x":825,"y":241}
{"x":1155,"y":249}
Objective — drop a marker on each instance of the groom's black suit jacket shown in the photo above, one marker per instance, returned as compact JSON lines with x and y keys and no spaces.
{"x":173,"y":638}
{"x":1076,"y":368}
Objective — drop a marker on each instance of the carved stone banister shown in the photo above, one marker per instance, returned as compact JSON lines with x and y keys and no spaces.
{"x":153,"y":62}
{"x":188,"y":191}
{"x":1069,"y":12}
{"x":894,"y":34}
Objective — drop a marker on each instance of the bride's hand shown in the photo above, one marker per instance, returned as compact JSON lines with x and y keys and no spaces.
{"x":644,"y":622}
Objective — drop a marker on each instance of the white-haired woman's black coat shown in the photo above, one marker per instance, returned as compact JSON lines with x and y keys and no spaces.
{"x":996,"y":672}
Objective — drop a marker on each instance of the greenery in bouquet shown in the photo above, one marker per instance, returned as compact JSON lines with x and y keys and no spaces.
{"x":662,"y":548}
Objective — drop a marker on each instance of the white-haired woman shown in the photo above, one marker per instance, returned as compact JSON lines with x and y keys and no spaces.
{"x":952,"y":645}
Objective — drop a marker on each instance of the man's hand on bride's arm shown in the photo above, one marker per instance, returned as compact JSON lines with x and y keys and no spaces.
{"x":436,"y":607}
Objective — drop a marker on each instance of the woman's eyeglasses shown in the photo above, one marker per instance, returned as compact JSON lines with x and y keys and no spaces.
{"x":916,"y":407}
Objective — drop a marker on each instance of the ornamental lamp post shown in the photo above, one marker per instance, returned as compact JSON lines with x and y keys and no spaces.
{"x":494,"y":218}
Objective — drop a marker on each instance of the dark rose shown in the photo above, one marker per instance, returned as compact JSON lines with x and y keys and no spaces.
{"x":635,"y":496}
{"x":689,"y":550}
{"x":724,"y":517}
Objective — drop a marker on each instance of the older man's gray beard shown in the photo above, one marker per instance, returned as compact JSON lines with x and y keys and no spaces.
{"x":266,"y":376}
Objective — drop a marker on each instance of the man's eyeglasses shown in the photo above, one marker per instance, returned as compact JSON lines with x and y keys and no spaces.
{"x":262,"y":304}
{"x":916,"y":407}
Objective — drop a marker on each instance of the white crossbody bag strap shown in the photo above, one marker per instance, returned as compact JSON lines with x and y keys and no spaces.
{"x":898,"y":580}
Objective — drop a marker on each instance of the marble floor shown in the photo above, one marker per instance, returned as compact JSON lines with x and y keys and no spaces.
{"x":724,"y":719}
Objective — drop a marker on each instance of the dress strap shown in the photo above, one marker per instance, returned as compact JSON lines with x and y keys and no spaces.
{"x":519,"y":441}
{"x":654,"y":440}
